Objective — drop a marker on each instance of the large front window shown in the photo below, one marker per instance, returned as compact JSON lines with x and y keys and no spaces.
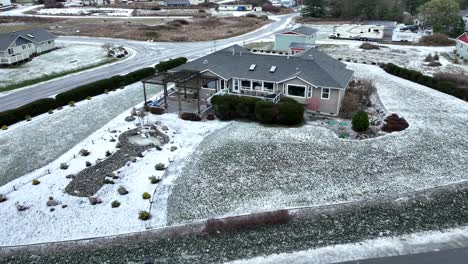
{"x":257,"y":85}
{"x":211,"y":85}
{"x":268,"y":86}
{"x":246,"y":84}
{"x":295,"y":90}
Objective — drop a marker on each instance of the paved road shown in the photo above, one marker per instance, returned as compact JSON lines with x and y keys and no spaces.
{"x":147,"y":54}
{"x":451,"y":256}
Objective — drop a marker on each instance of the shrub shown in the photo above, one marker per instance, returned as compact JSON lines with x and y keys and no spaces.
{"x":251,"y":15}
{"x":88,"y":98}
{"x":360,"y":121}
{"x":160,"y":167}
{"x":88,"y":164}
{"x":63,"y":166}
{"x":35,"y":182}
{"x":266,"y":112}
{"x":225,"y":106}
{"x":2,"y":198}
{"x":27,"y":118}
{"x":108,"y":153}
{"x":369,"y":46}
{"x":144,"y":215}
{"x":429,"y":58}
{"x":154,"y":180}
{"x":290,"y":114}
{"x":115,"y":204}
{"x":146,"y":195}
{"x":245,"y":107}
{"x":210,"y":117}
{"x":84,"y":152}
{"x":169,"y":64}
{"x":436,"y":57}
{"x":4,"y":127}
{"x":190,"y":116}
{"x":394,"y":123}
{"x":436,"y":39}
{"x":71,"y":103}
{"x":32,"y":109}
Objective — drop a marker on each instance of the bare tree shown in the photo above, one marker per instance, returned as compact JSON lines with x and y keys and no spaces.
{"x":108,"y":47}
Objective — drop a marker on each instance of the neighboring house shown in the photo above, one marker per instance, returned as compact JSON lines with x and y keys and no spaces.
{"x":464,"y":15}
{"x":288,"y":3}
{"x":178,"y":3}
{"x":5,"y":3}
{"x":302,"y":35}
{"x":22,"y":45}
{"x":311,"y":74}
{"x":462,"y":46}
{"x":229,"y":7}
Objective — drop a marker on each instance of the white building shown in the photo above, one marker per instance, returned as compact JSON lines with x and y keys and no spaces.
{"x":22,"y":45}
{"x":228,"y":7}
{"x":5,"y":3}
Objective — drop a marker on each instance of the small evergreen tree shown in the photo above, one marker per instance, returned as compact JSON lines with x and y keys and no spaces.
{"x":360,"y":121}
{"x":313,"y":8}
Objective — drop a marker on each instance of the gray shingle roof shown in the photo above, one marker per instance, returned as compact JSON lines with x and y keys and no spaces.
{"x":304,"y":30}
{"x":177,"y":2}
{"x":39,"y":35}
{"x":312,"y":66}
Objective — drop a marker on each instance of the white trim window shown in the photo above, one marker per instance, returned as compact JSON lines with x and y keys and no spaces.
{"x":10,"y":51}
{"x":268,"y":86}
{"x":246,"y":84}
{"x":309,"y":91}
{"x":325,"y":93}
{"x":235,"y":85}
{"x":296,"y":90}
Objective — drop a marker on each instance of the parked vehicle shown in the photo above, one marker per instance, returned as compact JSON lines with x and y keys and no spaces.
{"x":409,"y":33}
{"x":358,"y":32}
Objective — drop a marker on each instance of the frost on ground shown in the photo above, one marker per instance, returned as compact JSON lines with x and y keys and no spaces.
{"x":247,"y":167}
{"x":80,"y":219}
{"x":49,"y":136}
{"x":70,"y":56}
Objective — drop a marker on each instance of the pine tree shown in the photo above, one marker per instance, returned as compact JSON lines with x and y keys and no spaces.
{"x":313,"y":8}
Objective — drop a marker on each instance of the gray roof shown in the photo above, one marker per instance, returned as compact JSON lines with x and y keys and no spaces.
{"x":38,"y":35}
{"x":304,"y":30}
{"x":313,"y":66}
{"x":301,"y":45}
{"x":177,"y":2}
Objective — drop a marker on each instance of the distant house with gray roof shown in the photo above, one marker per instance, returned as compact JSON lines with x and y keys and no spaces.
{"x":22,"y":45}
{"x":310,"y":74}
{"x":300,"y":35}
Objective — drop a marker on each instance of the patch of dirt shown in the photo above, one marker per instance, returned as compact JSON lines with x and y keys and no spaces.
{"x":196,"y":29}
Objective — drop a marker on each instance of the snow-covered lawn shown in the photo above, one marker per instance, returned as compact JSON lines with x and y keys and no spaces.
{"x":28,"y":146}
{"x":80,"y":219}
{"x":247,"y":167}
{"x":85,"y":11}
{"x":70,"y":56}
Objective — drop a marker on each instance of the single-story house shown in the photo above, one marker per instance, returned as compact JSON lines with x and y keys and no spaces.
{"x":302,"y":34}
{"x":230,"y":7}
{"x":310,"y":74}
{"x":461,"y":48}
{"x":5,"y":3}
{"x":22,"y":45}
{"x":178,"y":2}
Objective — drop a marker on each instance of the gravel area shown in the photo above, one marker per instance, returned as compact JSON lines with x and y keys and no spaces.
{"x":90,"y":180}
{"x":247,"y":167}
{"x":424,"y":211}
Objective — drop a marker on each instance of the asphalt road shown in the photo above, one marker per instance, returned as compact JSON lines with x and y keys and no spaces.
{"x":451,"y":256}
{"x":147,"y":53}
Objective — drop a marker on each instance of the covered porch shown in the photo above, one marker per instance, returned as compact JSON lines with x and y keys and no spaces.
{"x":183,"y":92}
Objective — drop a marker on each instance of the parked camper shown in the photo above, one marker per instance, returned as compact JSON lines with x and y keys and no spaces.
{"x":409,"y":33}
{"x":358,"y":32}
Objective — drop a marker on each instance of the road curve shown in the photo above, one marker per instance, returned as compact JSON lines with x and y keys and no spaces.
{"x":147,"y":53}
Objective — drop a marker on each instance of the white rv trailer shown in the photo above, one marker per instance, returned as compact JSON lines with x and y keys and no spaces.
{"x":403,"y":33}
{"x":358,"y":32}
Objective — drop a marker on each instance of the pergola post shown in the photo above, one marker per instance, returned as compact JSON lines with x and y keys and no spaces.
{"x":144,"y":92}
{"x":178,"y":95}
{"x":198,"y":94}
{"x":165,"y":96}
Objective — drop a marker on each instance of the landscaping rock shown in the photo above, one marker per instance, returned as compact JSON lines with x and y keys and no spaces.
{"x":173,"y":148}
{"x":133,"y":159}
{"x":94,"y":200}
{"x":2,"y":198}
{"x":21,"y":207}
{"x":64,"y":206}
{"x":70,"y":176}
{"x":158,"y":148}
{"x":52,"y":209}
{"x":164,"y":128}
{"x":129,"y":118}
{"x":51,"y":202}
{"x":122,"y":190}
{"x":114,"y":131}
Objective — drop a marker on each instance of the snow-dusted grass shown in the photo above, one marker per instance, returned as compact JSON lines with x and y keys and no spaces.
{"x":28,"y":146}
{"x":85,"y":11}
{"x":247,"y":167}
{"x":80,"y":219}
{"x":69,"y":56}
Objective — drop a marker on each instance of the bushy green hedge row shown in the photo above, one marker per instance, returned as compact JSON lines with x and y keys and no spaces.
{"x":444,"y":86}
{"x":77,"y":94}
{"x":169,"y":64}
{"x":288,"y":112}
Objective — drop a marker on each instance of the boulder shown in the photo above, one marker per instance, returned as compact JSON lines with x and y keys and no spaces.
{"x":132,"y":159}
{"x":51,"y":202}
{"x":21,"y":207}
{"x":164,"y":128}
{"x":2,"y":198}
{"x":158,"y":148}
{"x":94,"y":200}
{"x":70,"y":176}
{"x":173,"y":148}
{"x":122,"y":190}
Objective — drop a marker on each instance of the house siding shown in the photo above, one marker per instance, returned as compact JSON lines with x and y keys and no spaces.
{"x":282,"y":41}
{"x":327,"y":106}
{"x":462,"y":50}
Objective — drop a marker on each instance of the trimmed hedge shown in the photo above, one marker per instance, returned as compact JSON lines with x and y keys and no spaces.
{"x":42,"y":106}
{"x":444,"y":86}
{"x":288,"y":112}
{"x":360,"y":121}
{"x":169,"y":64}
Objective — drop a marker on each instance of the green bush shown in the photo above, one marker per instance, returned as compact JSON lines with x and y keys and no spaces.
{"x":4,"y":127}
{"x":35,"y":182}
{"x":154,"y":180}
{"x":245,"y":107}
{"x":144,"y":215}
{"x":33,"y":109}
{"x":225,"y":106}
{"x":160,"y":167}
{"x":146,"y":195}
{"x":169,"y":64}
{"x":266,"y":112}
{"x":115,"y":204}
{"x":290,"y":114}
{"x":360,"y":121}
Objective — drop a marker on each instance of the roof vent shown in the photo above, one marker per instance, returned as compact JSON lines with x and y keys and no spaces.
{"x":29,"y":35}
{"x":273,"y":69}
{"x":205,"y":62}
{"x":252,"y":67}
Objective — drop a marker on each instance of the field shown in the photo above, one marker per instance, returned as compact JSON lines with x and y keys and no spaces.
{"x":68,"y":57}
{"x":155,"y":29}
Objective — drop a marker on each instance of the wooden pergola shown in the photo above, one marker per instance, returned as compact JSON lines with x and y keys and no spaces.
{"x":183,"y":80}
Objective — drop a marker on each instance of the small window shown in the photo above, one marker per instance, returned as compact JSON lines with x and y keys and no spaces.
{"x":252,"y":67}
{"x":325,"y":93}
{"x":309,"y":92}
{"x":23,"y":46}
{"x":268,"y":86}
{"x":10,"y":51}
